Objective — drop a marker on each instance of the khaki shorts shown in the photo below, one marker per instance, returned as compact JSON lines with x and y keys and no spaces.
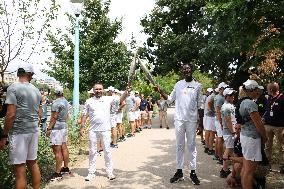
{"x":150,"y":114}
{"x":57,"y":137}
{"x":23,"y":147}
{"x":144,"y":115}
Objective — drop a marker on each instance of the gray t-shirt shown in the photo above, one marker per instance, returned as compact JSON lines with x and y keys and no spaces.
{"x":228,"y":110}
{"x":129,"y":103}
{"x":26,"y":97}
{"x":61,"y":106}
{"x":163,"y":105}
{"x":209,"y":112}
{"x":248,"y":128}
{"x":115,"y":104}
{"x":219,"y":101}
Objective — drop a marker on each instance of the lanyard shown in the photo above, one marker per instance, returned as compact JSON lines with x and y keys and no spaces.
{"x":272,"y":105}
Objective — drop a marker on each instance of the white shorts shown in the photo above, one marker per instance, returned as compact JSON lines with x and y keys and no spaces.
{"x":229,"y":141}
{"x":218,"y":128}
{"x":113,"y":120}
{"x":131,"y":116}
{"x":119,"y":117}
{"x":137,"y":114}
{"x":251,"y":148}
{"x":209,"y":123}
{"x":23,"y":147}
{"x":57,"y":137}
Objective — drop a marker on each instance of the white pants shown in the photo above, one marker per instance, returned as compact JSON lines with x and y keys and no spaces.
{"x":106,"y":139}
{"x":187,"y":129}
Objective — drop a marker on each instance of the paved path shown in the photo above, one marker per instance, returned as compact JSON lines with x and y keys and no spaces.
{"x":146,"y":161}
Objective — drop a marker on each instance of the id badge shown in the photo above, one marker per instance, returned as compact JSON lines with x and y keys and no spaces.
{"x":271,"y":114}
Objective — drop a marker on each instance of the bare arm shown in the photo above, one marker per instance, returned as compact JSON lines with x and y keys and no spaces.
{"x":9,"y":118}
{"x":218,"y":114}
{"x":259,"y":125}
{"x":53,"y":118}
{"x":159,"y":90}
{"x":228,"y":121}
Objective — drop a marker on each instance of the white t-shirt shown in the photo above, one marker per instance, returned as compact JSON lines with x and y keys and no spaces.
{"x":98,"y":110}
{"x":188,"y":99}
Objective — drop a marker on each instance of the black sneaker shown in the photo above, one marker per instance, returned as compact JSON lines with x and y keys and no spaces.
{"x":120,"y":139}
{"x":56,"y":176}
{"x":130,"y":135}
{"x":140,"y":128}
{"x":220,"y":162}
{"x":161,"y":126}
{"x":114,"y":146}
{"x":168,"y":128}
{"x":210,"y":152}
{"x":177,"y":177}
{"x":65,"y":170}
{"x":224,"y":174}
{"x":206,"y":150}
{"x":137,"y":131}
{"x":194,"y":179}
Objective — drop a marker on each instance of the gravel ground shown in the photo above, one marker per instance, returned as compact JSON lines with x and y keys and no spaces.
{"x":147,"y":161}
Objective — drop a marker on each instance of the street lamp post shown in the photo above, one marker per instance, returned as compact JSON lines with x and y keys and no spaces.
{"x":77,"y":7}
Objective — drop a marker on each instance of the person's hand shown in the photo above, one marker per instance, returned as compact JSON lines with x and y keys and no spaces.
{"x":157,"y":88}
{"x":82,"y":132}
{"x":48,"y":132}
{"x":263,"y":139}
{"x":3,"y":142}
{"x":231,"y":181}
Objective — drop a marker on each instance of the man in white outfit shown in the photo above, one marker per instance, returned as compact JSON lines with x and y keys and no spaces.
{"x":98,"y":109}
{"x":187,"y":94}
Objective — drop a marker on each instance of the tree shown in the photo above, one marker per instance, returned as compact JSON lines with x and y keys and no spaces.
{"x":101,"y":58}
{"x":23,"y":24}
{"x":174,"y":33}
{"x":222,"y":38}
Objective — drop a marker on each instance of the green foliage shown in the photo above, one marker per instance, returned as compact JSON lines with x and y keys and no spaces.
{"x":101,"y":58}
{"x":222,"y":38}
{"x":45,"y":161}
{"x":205,"y":79}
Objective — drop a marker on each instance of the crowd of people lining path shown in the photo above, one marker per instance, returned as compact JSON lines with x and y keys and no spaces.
{"x":239,"y":135}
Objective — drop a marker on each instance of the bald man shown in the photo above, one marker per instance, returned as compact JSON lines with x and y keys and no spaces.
{"x":274,"y":122}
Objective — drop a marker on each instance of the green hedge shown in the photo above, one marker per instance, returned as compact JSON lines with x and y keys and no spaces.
{"x":45,"y":161}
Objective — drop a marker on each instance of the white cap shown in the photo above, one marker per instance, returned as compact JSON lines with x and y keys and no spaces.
{"x":59,"y":90}
{"x":261,"y":87}
{"x":209,"y":90}
{"x":116,"y":91}
{"x":250,"y":84}
{"x":110,"y":88}
{"x":228,"y":91}
{"x":91,"y":91}
{"x":27,"y":67}
{"x":222,"y":85}
{"x":216,"y":90}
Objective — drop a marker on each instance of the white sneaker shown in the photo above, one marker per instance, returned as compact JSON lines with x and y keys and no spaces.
{"x":111,"y":177}
{"x":90,"y":177}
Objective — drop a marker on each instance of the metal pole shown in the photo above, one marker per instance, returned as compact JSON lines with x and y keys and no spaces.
{"x":76,"y":74}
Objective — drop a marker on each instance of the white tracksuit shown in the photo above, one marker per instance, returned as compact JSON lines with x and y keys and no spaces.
{"x":188,"y":99}
{"x":98,"y":110}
